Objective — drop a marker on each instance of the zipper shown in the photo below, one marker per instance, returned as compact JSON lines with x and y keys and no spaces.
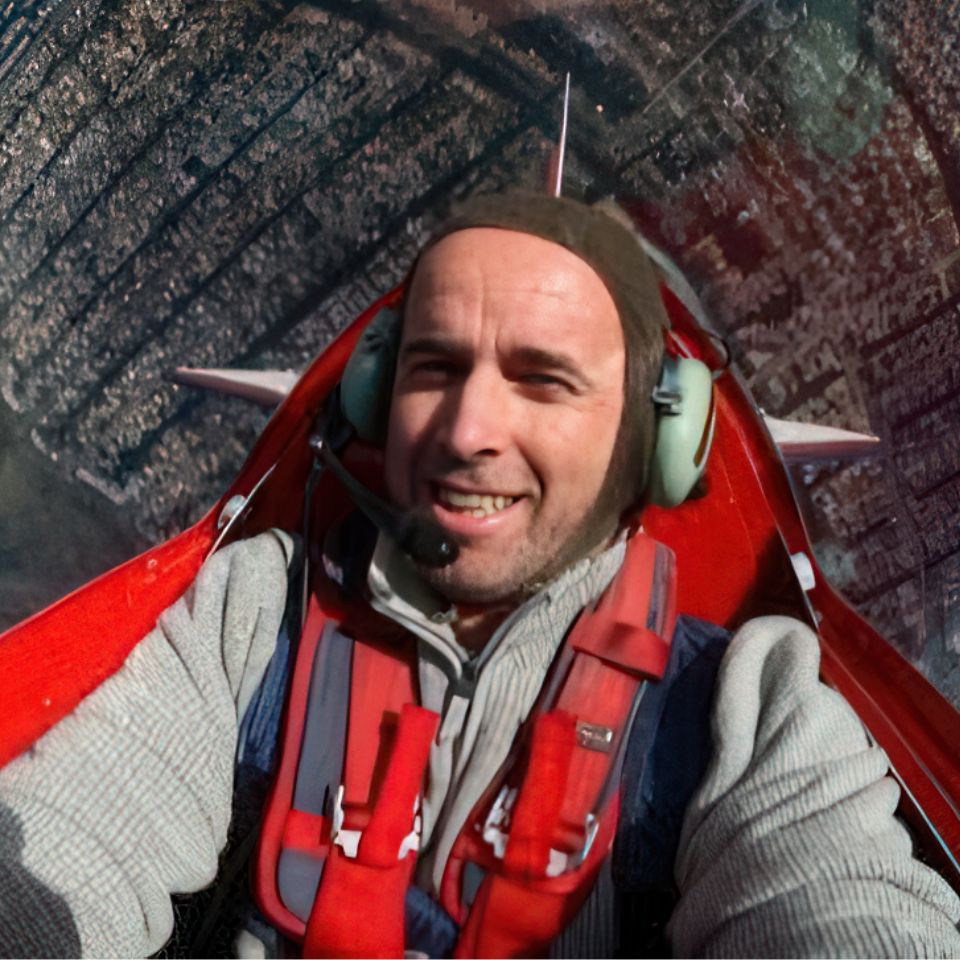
{"x":465,"y":672}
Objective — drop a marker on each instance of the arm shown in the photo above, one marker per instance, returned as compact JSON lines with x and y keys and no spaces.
{"x":127,"y":800}
{"x":790,"y":846}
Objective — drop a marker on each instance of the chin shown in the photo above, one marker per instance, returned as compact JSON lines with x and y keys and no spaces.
{"x":460,"y":586}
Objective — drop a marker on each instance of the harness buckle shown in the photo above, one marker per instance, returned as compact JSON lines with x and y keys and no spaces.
{"x":561,"y":863}
{"x":498,"y":819}
{"x":349,"y":840}
{"x":411,"y":842}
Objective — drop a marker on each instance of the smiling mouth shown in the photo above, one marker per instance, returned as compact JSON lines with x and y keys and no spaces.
{"x":478,"y":505}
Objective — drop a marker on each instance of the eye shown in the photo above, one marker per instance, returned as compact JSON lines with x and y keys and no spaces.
{"x":433,"y":366}
{"x":430,"y":371}
{"x":545,"y":381}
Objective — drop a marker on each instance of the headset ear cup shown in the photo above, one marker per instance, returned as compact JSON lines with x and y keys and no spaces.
{"x":685,"y":422}
{"x":367,"y":382}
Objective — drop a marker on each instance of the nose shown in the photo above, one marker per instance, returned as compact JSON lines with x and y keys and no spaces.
{"x":477,"y":420}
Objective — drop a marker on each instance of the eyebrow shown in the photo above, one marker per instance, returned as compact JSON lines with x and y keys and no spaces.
{"x":536,"y":357}
{"x":432,"y":345}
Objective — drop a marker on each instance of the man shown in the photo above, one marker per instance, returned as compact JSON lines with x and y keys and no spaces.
{"x":509,"y":386}
{"x":520,"y":423}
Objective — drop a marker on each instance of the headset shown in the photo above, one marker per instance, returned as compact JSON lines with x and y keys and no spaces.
{"x":683,"y":399}
{"x":686,"y":416}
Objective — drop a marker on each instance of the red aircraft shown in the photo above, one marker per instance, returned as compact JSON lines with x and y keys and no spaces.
{"x":748,"y":515}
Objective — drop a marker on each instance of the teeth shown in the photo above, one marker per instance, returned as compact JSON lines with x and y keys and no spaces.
{"x":461,"y":499}
{"x":476,"y":504}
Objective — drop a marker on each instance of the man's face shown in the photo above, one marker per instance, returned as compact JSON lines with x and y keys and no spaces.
{"x":506,"y":407}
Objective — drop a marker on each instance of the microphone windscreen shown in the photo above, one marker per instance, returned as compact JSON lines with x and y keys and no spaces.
{"x":426,"y":542}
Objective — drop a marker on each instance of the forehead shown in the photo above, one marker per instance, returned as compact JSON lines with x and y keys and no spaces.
{"x":521,"y":283}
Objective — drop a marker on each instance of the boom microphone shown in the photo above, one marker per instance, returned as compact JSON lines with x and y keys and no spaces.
{"x":422,"y":540}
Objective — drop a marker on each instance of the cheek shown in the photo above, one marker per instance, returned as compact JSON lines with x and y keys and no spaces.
{"x":405,"y":430}
{"x":575,"y":453}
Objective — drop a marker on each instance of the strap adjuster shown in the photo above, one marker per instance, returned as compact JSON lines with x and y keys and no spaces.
{"x":349,"y":840}
{"x":498,"y":820}
{"x":561,"y":863}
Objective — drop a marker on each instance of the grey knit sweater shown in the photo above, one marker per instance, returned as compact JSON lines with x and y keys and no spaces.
{"x":127,"y":800}
{"x":790,"y":847}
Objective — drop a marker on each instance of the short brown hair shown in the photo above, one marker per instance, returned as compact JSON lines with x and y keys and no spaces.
{"x":603,"y":236}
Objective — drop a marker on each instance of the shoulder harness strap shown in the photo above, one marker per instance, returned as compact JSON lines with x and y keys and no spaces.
{"x":552,"y":821}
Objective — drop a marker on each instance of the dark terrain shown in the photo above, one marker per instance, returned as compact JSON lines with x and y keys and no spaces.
{"x":228,"y":183}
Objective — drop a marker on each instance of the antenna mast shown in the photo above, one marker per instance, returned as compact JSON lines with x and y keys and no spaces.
{"x":559,"y":151}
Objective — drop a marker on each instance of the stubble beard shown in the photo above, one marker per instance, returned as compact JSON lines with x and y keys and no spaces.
{"x":539,"y":566}
{"x":536,"y":566}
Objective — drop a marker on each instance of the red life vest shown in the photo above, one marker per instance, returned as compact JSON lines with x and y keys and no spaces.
{"x":341,"y":828}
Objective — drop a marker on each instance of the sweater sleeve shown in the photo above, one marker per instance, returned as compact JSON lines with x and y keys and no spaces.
{"x":127,"y":800}
{"x":790,"y":846}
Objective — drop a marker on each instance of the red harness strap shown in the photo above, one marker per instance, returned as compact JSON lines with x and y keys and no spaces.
{"x":541,"y":840}
{"x":512,"y":917}
{"x":537,"y":817}
{"x":521,"y":908}
{"x":363,"y":845}
{"x":564,"y":817}
{"x":371,"y":883}
{"x":284,"y":827}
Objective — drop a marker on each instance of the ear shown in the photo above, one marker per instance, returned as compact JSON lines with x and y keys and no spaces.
{"x":685,"y":419}
{"x":367,"y":382}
